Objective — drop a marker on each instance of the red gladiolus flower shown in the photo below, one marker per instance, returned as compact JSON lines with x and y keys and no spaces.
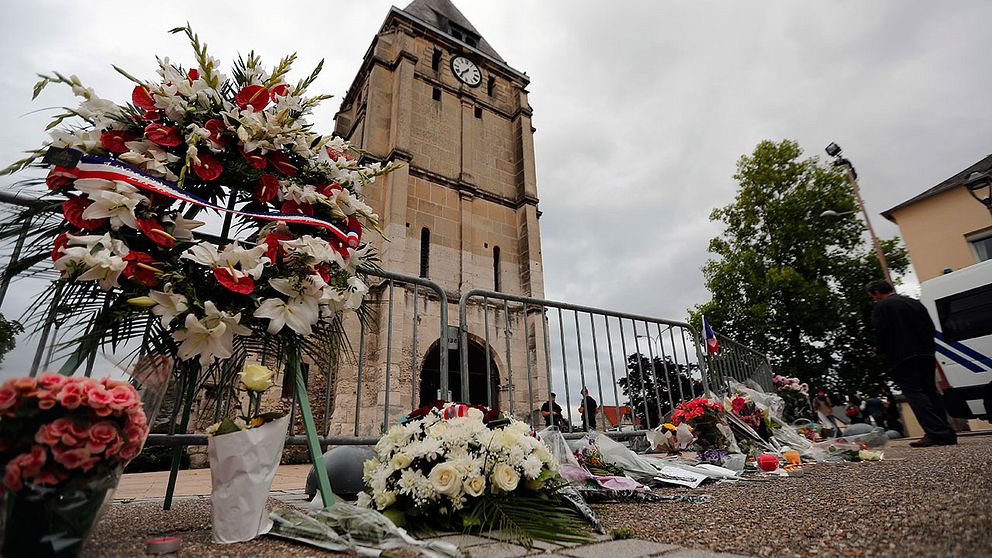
{"x":255,"y":159}
{"x":254,"y":95}
{"x":193,"y":75}
{"x":323,"y":271}
{"x":59,"y":177}
{"x":138,"y":270}
{"x":268,"y":187}
{"x":244,"y":284}
{"x":282,"y":163}
{"x":273,"y":249}
{"x":216,"y":128}
{"x":61,"y":241}
{"x":329,"y":189}
{"x":155,"y":231}
{"x":73,"y":208}
{"x":209,"y":167}
{"x":142,"y":98}
{"x":335,"y":154}
{"x":166,"y":136}
{"x":114,"y":140}
{"x":151,"y":116}
{"x":290,"y":206}
{"x":281,"y":90}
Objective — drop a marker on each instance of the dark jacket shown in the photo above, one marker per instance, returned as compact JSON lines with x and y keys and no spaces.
{"x":903,"y":329}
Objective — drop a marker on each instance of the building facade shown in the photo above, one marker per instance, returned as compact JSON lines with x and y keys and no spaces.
{"x":462,"y":211}
{"x":945,"y":228}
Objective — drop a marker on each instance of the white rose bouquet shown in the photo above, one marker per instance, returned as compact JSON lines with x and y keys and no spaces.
{"x":470,"y":469}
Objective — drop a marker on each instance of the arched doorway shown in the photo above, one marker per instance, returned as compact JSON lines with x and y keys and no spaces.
{"x":430,"y":378}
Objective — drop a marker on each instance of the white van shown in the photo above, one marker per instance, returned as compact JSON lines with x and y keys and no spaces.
{"x":960,"y":304}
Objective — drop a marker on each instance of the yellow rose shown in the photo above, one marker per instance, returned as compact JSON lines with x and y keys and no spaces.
{"x":475,"y":486}
{"x":445,"y":479}
{"x":256,"y":377}
{"x":505,"y":477}
{"x":401,"y":461}
{"x":385,"y":499}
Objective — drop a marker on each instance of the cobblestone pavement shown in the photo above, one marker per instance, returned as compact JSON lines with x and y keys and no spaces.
{"x":916,"y":502}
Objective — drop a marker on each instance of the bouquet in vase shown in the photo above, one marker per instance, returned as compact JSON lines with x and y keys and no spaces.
{"x":449,"y":467}
{"x":708,"y":422}
{"x":245,"y":452}
{"x":63,"y":444}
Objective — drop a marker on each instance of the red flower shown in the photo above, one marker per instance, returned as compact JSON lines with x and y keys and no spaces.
{"x":166,"y":136}
{"x":209,"y":167}
{"x":151,"y":116}
{"x":193,"y":75}
{"x":216,"y":128}
{"x":73,"y":208}
{"x":244,"y":284}
{"x":58,"y":177}
{"x":268,"y":187}
{"x":254,"y":159}
{"x":61,"y":241}
{"x":138,"y":270}
{"x":142,"y":98}
{"x":274,"y":249}
{"x":155,"y":231}
{"x":280,"y":90}
{"x":114,"y":140}
{"x":323,"y":271}
{"x":329,"y":189}
{"x":290,"y":206}
{"x":282,"y":163}
{"x":335,"y":154}
{"x":254,"y":95}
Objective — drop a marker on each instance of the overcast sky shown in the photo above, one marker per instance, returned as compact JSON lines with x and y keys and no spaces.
{"x":641,"y":110}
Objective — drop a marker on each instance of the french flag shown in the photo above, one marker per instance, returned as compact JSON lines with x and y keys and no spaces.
{"x":711,"y":343}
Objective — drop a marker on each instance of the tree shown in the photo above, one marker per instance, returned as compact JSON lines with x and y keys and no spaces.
{"x":9,"y":329}
{"x":647,"y":385}
{"x":790,"y":283}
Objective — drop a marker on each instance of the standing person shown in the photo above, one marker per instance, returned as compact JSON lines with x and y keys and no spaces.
{"x":588,"y":410}
{"x":551,"y":412}
{"x":904,"y":337}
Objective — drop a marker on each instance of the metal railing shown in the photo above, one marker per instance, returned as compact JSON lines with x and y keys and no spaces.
{"x":738,"y":362}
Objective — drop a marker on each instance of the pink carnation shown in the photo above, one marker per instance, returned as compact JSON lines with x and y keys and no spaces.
{"x":72,"y":458}
{"x":98,"y":396}
{"x":71,"y":395}
{"x":12,"y":477}
{"x":123,"y":397}
{"x":25,"y":384}
{"x":8,"y":398}
{"x":51,"y":381}
{"x":32,"y":462}
{"x":47,"y":435}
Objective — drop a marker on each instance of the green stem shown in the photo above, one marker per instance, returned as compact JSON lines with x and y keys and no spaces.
{"x":313,"y":442}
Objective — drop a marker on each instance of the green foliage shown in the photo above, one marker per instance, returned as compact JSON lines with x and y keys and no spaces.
{"x":790,"y":283}
{"x":523,"y":517}
{"x":8,"y":330}
{"x":649,"y":394}
{"x":621,"y":533}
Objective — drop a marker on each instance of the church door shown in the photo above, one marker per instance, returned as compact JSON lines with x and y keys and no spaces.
{"x":430,"y":383}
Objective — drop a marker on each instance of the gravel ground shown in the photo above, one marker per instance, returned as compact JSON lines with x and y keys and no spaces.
{"x":917,"y":502}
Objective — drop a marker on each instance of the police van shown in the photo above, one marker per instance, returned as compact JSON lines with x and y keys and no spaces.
{"x":960,"y":304}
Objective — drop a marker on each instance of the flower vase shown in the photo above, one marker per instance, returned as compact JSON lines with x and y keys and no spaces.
{"x":242,"y":467}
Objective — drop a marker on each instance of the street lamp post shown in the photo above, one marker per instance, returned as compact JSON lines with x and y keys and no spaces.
{"x":976,"y":183}
{"x":852,"y":178}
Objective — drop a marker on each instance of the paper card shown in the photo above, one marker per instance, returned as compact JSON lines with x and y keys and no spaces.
{"x":675,"y":475}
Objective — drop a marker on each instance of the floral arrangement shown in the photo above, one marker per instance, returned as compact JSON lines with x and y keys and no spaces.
{"x":708,"y":422}
{"x":796,"y":397}
{"x":56,"y":429}
{"x":592,"y":459}
{"x":745,"y":409}
{"x":131,"y":179}
{"x":450,"y":468}
{"x":255,"y":379}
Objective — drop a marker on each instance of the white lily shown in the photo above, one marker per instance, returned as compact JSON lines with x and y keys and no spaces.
{"x":152,"y":158}
{"x":317,"y":250}
{"x":116,"y":201}
{"x":182,"y":228}
{"x":200,"y":339}
{"x":298,"y":314}
{"x":169,"y":304}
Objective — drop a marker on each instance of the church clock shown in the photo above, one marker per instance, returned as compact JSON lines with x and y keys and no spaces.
{"x":466,"y":71}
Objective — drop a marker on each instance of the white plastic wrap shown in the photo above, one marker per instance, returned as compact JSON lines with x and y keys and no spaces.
{"x":242,"y":467}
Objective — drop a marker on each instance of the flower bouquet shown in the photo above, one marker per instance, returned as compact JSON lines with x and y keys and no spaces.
{"x":796,"y":397}
{"x":670,"y":438}
{"x":708,"y":422}
{"x":448,"y":468}
{"x":244,"y":455}
{"x":63,"y":444}
{"x":590,"y":457}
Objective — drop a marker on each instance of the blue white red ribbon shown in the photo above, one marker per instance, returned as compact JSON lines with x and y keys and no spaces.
{"x":92,"y":166}
{"x":456,"y":410}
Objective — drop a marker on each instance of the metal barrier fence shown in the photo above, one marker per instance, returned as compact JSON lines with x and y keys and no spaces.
{"x":738,"y":362}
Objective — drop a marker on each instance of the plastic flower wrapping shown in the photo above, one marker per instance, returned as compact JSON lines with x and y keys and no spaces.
{"x":132,"y":180}
{"x":451,"y":468}
{"x":708,"y":422}
{"x":55,"y":430}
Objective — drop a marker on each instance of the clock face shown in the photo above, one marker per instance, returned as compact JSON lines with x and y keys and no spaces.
{"x":466,"y":71}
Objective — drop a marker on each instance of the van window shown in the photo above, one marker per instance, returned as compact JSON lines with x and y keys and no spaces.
{"x":967,"y":314}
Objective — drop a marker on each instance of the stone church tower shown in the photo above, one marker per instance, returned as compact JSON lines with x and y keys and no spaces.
{"x":462,"y":212}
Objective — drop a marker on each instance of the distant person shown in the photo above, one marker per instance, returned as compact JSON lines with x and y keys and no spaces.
{"x":853,"y":410}
{"x":588,"y":410}
{"x":904,"y":337}
{"x":875,"y":409}
{"x":551,"y":412}
{"x":823,"y":409}
{"x":893,"y":414}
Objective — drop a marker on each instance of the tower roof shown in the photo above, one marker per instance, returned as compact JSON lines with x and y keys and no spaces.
{"x":443,"y":16}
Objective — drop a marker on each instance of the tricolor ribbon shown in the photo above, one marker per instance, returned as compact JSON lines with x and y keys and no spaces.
{"x":456,"y":410}
{"x":92,"y":166}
